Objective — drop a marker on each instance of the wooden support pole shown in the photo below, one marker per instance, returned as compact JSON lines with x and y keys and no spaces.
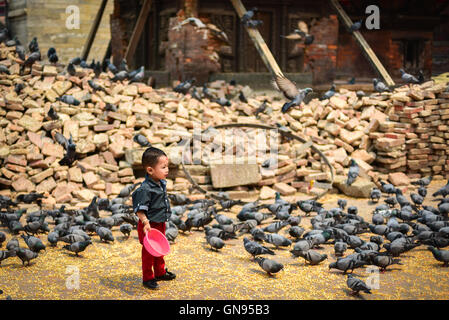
{"x":137,"y":32}
{"x":258,"y":41}
{"x":93,"y":30}
{"x":366,"y":49}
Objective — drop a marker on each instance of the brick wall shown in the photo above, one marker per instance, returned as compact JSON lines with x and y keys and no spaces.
{"x":45,"y":19}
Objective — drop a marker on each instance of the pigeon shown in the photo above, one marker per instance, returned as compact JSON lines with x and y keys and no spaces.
{"x":388,"y":188}
{"x":353,"y":172}
{"x":120,"y":76}
{"x":52,"y":56}
{"x":138,"y":76}
{"x":185,"y":86}
{"x":242,"y":97}
{"x":18,"y":87}
{"x":53,"y":237}
{"x":32,"y":58}
{"x":255,"y":248}
{"x":35,"y":244}
{"x":443,"y":191}
{"x":347,"y":263}
{"x":313,"y":257}
{"x":391,"y":201}
{"x":375,"y":195}
{"x":75,"y":61}
{"x":357,"y":285}
{"x":269,"y":266}
{"x":110,"y":107}
{"x":421,"y":78}
{"x":29,"y":198}
{"x":95,"y":86}
{"x":440,"y":255}
{"x":13,"y":246}
{"x":52,"y":113}
{"x":340,"y":247}
{"x":33,"y":46}
{"x":4,"y":69}
{"x":97,"y":69}
{"x":296,"y":232}
{"x":424,"y":182}
{"x":403,"y":202}
{"x":223,"y":102}
{"x":254,"y":23}
{"x":330,"y":93}
{"x":422,"y":191}
{"x":171,"y":233}
{"x":20,"y":50}
{"x":258,"y":234}
{"x":196,"y":95}
{"x":71,"y":69}
{"x":77,"y":247}
{"x":275,"y":226}
{"x":383,"y":261}
{"x":2,"y":238}
{"x":105,"y":234}
{"x":360,"y":94}
{"x":342,"y":203}
{"x":26,"y":255}
{"x":215,"y":242}
{"x":69,"y":100}
{"x":248,"y":15}
{"x":261,"y":108}
{"x":142,"y":140}
{"x":290,"y":91}
{"x":356,"y":26}
{"x":408,"y":78}
{"x":278,"y":240}
{"x":111,"y":67}
{"x":437,"y":242}
{"x":379,"y":86}
{"x":70,"y":156}
{"x":5,"y":255}
{"x":72,"y":238}
{"x":417,"y":199}
{"x":126,"y":229}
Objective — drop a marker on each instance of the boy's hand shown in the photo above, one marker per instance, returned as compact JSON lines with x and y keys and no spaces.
{"x":146,"y":227}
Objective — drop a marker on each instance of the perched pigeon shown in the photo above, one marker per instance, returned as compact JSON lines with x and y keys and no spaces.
{"x":357,"y":285}
{"x":126,"y":229}
{"x":5,"y":255}
{"x":13,"y":246}
{"x":52,"y":113}
{"x":340,"y":247}
{"x":342,"y":203}
{"x":313,"y":257}
{"x":138,"y":76}
{"x":383,"y":261}
{"x":296,"y":232}
{"x":379,"y":86}
{"x":77,"y":247}
{"x":248,"y":15}
{"x":26,"y":255}
{"x":290,"y":91}
{"x":443,"y":191}
{"x":255,"y":248}
{"x":278,"y":240}
{"x":424,"y":182}
{"x":69,"y":100}
{"x":105,"y":234}
{"x":387,"y":188}
{"x":215,"y":242}
{"x":330,"y":93}
{"x":375,"y":195}
{"x":261,"y":109}
{"x":35,"y":244}
{"x":275,"y":226}
{"x":242,"y":97}
{"x":52,"y":56}
{"x":353,"y":172}
{"x":269,"y":266}
{"x":356,"y":26}
{"x":408,"y":78}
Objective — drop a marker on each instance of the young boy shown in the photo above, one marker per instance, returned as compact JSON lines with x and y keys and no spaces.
{"x":150,"y":203}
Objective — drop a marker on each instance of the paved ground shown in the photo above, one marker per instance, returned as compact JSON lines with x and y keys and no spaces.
{"x":112,"y":271}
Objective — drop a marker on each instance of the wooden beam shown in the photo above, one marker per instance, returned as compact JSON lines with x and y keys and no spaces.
{"x":93,"y":30}
{"x":137,"y":32}
{"x":259,"y":43}
{"x":366,"y":49}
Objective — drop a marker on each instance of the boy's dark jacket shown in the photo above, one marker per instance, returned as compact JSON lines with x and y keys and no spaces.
{"x":152,"y":198}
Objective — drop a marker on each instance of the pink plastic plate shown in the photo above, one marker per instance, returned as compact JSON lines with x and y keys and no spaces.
{"x":156,"y":243}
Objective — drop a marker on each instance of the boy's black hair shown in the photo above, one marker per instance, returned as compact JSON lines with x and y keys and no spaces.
{"x":151,"y":156}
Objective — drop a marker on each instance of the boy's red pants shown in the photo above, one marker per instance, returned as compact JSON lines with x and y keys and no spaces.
{"x":148,"y":261}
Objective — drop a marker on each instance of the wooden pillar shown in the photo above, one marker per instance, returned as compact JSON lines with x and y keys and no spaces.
{"x":259,"y":42}
{"x":93,"y":30}
{"x":138,"y":28}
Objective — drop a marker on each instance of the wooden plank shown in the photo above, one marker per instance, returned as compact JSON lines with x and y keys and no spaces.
{"x":259,"y":42}
{"x":137,"y":32}
{"x":366,"y":48}
{"x":93,"y":30}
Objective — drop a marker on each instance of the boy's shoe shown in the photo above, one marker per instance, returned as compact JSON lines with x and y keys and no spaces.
{"x":150,"y":284}
{"x":167,"y":276}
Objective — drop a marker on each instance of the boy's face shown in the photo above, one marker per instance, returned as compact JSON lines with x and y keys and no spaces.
{"x":160,"y":170}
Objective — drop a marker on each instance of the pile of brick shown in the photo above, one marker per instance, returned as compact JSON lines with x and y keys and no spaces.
{"x":343,"y":127}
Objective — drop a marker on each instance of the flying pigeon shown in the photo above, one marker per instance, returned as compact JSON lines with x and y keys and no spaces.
{"x":290,"y":91}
